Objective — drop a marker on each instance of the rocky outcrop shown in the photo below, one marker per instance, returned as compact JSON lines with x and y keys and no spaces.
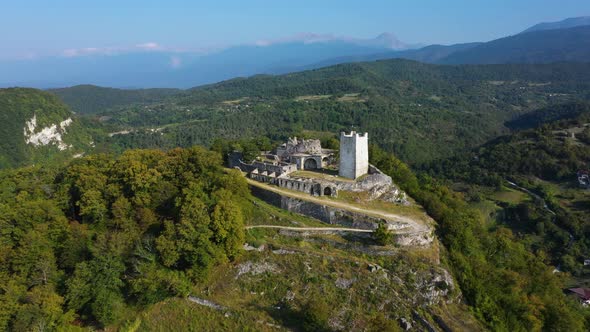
{"x":378,"y":185}
{"x":434,"y":286}
{"x":47,"y":135}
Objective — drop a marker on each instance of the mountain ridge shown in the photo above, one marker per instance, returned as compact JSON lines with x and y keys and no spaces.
{"x":570,"y":22}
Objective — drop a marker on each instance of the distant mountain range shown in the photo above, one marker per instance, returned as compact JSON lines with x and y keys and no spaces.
{"x":541,"y":46}
{"x":158,"y":68}
{"x":571,"y":22}
{"x":567,"y":40}
{"x":149,"y":66}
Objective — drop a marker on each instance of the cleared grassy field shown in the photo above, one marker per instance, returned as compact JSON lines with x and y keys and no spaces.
{"x":508,"y":195}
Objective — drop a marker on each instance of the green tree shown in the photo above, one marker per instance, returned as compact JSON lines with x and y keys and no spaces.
{"x":382,"y":235}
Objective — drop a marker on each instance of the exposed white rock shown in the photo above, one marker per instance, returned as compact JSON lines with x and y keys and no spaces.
{"x":47,"y":135}
{"x":65,"y":123}
{"x":256,"y":268}
{"x":122,"y":132}
{"x":433,"y":286}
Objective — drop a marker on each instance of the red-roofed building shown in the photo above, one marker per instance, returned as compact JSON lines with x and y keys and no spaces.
{"x":583,"y":294}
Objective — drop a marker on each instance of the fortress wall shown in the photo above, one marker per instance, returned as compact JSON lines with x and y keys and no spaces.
{"x":337,"y":216}
{"x":327,"y":214}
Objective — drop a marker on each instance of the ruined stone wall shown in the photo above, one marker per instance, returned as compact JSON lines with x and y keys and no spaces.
{"x":309,"y":187}
{"x":327,"y":214}
{"x":270,"y":168}
{"x":337,"y":216}
{"x":310,"y":146}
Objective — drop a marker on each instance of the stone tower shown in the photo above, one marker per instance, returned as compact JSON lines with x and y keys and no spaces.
{"x":354,"y":154}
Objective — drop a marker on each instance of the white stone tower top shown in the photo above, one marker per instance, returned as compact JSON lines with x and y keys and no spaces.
{"x":354,"y":154}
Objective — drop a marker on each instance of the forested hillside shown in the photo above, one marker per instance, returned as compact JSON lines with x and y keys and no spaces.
{"x":509,"y":286}
{"x":545,"y":160}
{"x":419,"y":111}
{"x":81,"y":244}
{"x":35,"y":126}
{"x":92,"y":99}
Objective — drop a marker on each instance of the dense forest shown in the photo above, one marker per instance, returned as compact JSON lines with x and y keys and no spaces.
{"x":508,"y":287}
{"x":418,"y":111}
{"x":545,"y":160}
{"x":94,"y":99}
{"x":80,"y":244}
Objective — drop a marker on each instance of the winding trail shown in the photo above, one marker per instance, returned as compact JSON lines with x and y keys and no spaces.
{"x":545,"y":206}
{"x":416,"y":224}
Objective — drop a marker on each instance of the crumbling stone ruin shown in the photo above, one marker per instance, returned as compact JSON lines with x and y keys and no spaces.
{"x":278,"y":167}
{"x":293,"y":155}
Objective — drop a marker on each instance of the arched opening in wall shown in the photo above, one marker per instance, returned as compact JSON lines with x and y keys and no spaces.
{"x":325,"y":161}
{"x":327,"y":191}
{"x":310,"y":164}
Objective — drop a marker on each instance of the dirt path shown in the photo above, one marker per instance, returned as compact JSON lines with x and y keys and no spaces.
{"x":417,"y":225}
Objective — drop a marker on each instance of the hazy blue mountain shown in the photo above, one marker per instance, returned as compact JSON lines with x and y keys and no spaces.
{"x":428,"y":54}
{"x":143,"y":69}
{"x":571,"y":22}
{"x":543,"y":46}
{"x":546,"y":42}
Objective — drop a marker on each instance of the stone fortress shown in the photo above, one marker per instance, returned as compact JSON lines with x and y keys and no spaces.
{"x":303,"y":165}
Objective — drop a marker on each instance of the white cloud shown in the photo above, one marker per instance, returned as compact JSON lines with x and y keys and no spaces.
{"x":304,"y":37}
{"x":148,"y":46}
{"x":73,"y":52}
{"x":112,"y":50}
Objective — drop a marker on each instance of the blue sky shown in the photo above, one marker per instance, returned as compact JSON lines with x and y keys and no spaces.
{"x":42,"y":27}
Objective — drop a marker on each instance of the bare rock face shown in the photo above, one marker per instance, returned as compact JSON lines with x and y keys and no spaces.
{"x":256,"y":268}
{"x":344,"y":283}
{"x":418,"y":239}
{"x":379,"y":186}
{"x":435,"y":286}
{"x":46,"y":135}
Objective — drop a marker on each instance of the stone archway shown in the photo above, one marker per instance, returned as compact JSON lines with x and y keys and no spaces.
{"x":327,"y":191}
{"x":310,"y":163}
